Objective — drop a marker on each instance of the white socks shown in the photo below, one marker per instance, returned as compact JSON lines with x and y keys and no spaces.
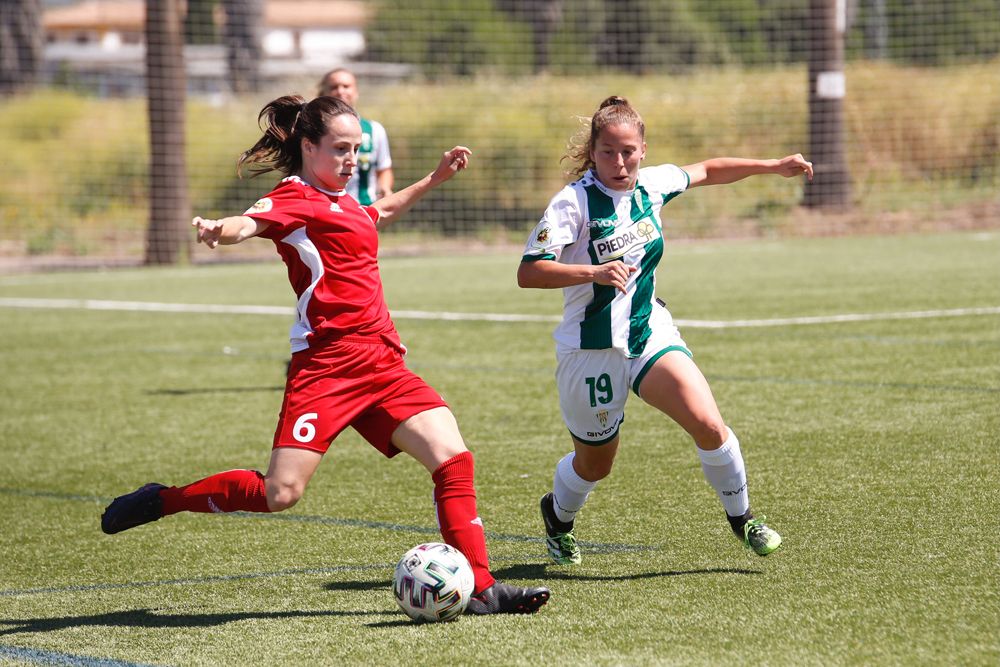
{"x":569,"y":490}
{"x":723,"y":468}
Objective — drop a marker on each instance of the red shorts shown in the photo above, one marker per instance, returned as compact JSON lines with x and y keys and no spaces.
{"x":354,"y":381}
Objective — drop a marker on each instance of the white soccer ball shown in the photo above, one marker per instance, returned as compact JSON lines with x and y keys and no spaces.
{"x":433,"y":582}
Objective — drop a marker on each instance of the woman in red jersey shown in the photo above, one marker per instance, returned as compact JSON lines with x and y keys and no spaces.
{"x":347,"y":365}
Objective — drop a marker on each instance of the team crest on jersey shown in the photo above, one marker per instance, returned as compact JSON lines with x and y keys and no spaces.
{"x":617,"y":245}
{"x":262,"y":205}
{"x":602,"y":417}
{"x":541,"y":234}
{"x":335,"y":207}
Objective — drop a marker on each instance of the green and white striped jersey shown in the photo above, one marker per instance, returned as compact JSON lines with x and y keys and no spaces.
{"x":589,"y":223}
{"x":373,"y":157}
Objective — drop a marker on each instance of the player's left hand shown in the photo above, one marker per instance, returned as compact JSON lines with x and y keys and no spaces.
{"x":795,"y":165}
{"x":451,"y":163}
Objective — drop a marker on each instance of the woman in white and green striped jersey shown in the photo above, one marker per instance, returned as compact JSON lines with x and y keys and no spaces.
{"x":373,"y":176}
{"x":600,"y":240}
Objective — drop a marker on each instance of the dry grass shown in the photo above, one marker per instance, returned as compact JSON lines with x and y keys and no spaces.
{"x":923,"y":150}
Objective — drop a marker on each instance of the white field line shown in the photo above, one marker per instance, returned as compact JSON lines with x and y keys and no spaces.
{"x":147,"y":306}
{"x":286,"y":311}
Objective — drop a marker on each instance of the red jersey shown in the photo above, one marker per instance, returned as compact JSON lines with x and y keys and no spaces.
{"x":329,"y":243}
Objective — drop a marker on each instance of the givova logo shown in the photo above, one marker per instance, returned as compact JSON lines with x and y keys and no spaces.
{"x":620,"y":243}
{"x":600,"y":223}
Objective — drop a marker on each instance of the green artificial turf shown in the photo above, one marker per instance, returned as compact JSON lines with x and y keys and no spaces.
{"x":872,"y":446}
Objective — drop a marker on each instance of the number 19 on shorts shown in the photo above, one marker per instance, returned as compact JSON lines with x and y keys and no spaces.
{"x":600,"y":390}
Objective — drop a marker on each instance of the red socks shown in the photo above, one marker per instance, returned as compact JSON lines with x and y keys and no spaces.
{"x":461,"y":527}
{"x":229,"y":491}
{"x":454,"y":496}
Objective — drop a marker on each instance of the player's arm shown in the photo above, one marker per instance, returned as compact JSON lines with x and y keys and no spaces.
{"x":721,"y":170}
{"x":384,"y":180}
{"x":391,"y":207}
{"x":550,"y":274}
{"x":227,"y":231}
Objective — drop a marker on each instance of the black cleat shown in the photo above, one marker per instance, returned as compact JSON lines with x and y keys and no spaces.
{"x":506,"y":599}
{"x":133,"y":509}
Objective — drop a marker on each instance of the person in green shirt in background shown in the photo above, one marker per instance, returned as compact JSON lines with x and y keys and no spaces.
{"x":373,"y":177}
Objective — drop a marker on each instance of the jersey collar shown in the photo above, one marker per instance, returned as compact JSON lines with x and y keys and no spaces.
{"x":590,"y":178}
{"x":338,"y":193}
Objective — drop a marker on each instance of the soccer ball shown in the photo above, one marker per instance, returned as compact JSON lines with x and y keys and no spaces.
{"x":433,"y":582}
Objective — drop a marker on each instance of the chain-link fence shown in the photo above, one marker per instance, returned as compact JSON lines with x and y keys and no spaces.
{"x":120,"y":118}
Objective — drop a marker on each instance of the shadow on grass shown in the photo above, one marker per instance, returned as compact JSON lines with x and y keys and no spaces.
{"x":541,"y":571}
{"x":210,"y":390}
{"x":146,"y":618}
{"x":403,"y":622}
{"x":358,"y":585}
{"x":859,"y":384}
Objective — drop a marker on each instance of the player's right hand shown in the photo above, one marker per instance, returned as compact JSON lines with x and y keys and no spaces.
{"x":614,"y":274}
{"x":209,"y":231}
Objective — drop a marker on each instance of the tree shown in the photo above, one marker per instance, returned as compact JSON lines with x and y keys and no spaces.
{"x":242,"y":36}
{"x":448,"y":37}
{"x":20,"y":44}
{"x":199,"y":22}
{"x":623,"y":43}
{"x":166,"y":83}
{"x":876,"y":29}
{"x":543,"y":16}
{"x":831,"y":187}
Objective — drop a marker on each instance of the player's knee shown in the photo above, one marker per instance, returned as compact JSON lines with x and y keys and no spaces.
{"x":709,"y":434}
{"x":281,"y":496}
{"x":595,"y":464}
{"x":594,"y":471}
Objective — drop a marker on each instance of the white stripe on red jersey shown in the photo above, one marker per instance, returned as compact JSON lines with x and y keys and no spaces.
{"x":330,"y":245}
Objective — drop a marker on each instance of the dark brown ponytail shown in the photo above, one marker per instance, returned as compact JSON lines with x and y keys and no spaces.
{"x":285,"y":122}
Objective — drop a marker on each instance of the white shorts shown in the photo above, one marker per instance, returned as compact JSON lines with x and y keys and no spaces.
{"x":593,"y":384}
